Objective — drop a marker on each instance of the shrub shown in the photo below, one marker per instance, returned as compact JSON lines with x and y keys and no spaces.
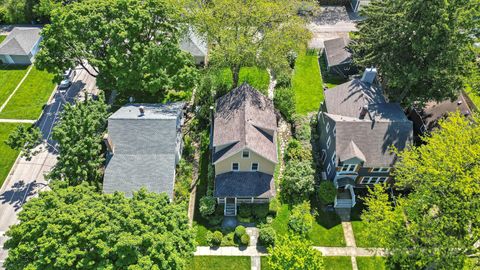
{"x":267,"y":236}
{"x":188,"y":148}
{"x":284,"y":78}
{"x":326,"y":192}
{"x":273,"y":206}
{"x":295,"y":151}
{"x":298,"y":181}
{"x":240,"y":231}
{"x":214,"y":239}
{"x":301,"y":220}
{"x":260,"y":211}
{"x":303,"y":131}
{"x":245,"y":210}
{"x":245,"y":240}
{"x":284,"y":101}
{"x":215,"y":220}
{"x":292,"y":58}
{"x":207,"y":206}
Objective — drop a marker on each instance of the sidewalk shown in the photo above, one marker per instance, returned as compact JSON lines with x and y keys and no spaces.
{"x":261,"y":251}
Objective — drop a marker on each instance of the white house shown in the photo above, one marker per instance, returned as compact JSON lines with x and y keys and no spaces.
{"x":20,"y":46}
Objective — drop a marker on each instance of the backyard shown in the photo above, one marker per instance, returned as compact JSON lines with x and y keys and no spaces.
{"x":220,"y":263}
{"x":307,"y":82}
{"x":8,"y":156}
{"x":256,"y":77}
{"x":28,"y":101}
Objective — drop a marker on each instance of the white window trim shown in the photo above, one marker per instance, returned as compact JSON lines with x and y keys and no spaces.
{"x":327,"y":126}
{"x":243,"y":151}
{"x":381,"y":169}
{"x":233,"y":170}
{"x":324,"y":155}
{"x":334,"y":157}
{"x":258,"y":167}
{"x":348,"y":168}
{"x":370,"y":180}
{"x":329,"y":168}
{"x":329,"y":141}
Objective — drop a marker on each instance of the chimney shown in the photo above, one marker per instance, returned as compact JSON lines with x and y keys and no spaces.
{"x":142,"y":110}
{"x":364,"y":112}
{"x":369,"y":75}
{"x":108,"y":143}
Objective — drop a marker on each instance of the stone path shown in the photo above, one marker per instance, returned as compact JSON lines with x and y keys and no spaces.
{"x":261,"y":251}
{"x":256,"y":263}
{"x":348,"y":234}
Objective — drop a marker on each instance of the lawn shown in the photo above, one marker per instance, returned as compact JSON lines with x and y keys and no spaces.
{"x":327,"y":230}
{"x":338,"y":263}
{"x":10,"y":76}
{"x":28,"y":101}
{"x":256,"y":77}
{"x":368,"y":263}
{"x":330,"y":80}
{"x":2,"y":38}
{"x":264,"y":263}
{"x":474,"y":96}
{"x":7,"y":155}
{"x":359,"y":227}
{"x":200,"y":224}
{"x":220,"y":263}
{"x":307,"y":82}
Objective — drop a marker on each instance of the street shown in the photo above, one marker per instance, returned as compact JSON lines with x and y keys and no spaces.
{"x":27,"y":177}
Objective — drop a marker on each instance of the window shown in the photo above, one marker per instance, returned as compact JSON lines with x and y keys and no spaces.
{"x":245,"y":154}
{"x":348,"y":168}
{"x":381,"y":169}
{"x":329,"y":168}
{"x":327,"y":127}
{"x":235,"y":167}
{"x":324,"y":155}
{"x":373,"y":180}
{"x":334,"y":158}
{"x":328,"y":142}
{"x":254,"y":167}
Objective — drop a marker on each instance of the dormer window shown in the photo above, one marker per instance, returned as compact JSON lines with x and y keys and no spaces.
{"x":245,"y":154}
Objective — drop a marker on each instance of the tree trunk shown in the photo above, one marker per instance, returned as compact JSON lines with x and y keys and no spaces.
{"x":235,"y":75}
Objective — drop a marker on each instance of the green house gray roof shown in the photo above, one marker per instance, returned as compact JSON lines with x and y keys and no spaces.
{"x":20,"y":41}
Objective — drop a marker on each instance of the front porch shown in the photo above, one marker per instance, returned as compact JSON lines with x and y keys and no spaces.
{"x":345,"y":197}
{"x":231,"y":203}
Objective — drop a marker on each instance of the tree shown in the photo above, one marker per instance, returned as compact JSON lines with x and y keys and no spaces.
{"x":423,"y":49}
{"x":79,"y":228}
{"x":131,"y":46}
{"x":207,"y":206}
{"x":250,"y":32}
{"x":326,"y":192}
{"x":301,"y":220}
{"x":438,"y":223}
{"x":25,"y":139}
{"x":292,"y":252}
{"x":79,"y":136}
{"x":298,"y":181}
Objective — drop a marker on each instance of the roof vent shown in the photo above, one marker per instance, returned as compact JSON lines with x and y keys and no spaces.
{"x":369,"y":75}
{"x":142,"y":110}
{"x":459,"y":102}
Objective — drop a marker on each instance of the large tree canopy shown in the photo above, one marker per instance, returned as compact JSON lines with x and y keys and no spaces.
{"x":438,"y":223}
{"x":78,"y":228}
{"x":79,"y":136}
{"x":131,"y":46}
{"x":293,"y":252}
{"x":423,"y":49}
{"x":250,"y":32}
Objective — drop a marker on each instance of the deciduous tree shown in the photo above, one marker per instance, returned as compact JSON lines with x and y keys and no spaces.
{"x":250,"y":32}
{"x":298,"y":181}
{"x":79,"y":228}
{"x":25,"y":139}
{"x":292,"y":252}
{"x":423,"y":49}
{"x":437,"y":225}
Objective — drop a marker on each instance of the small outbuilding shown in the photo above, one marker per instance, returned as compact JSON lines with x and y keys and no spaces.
{"x":338,"y":57}
{"x":20,"y":46}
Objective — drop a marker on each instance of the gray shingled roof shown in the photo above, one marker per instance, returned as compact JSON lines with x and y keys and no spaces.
{"x":245,"y":118}
{"x":244,"y":184}
{"x":336,"y":52}
{"x":144,"y":148}
{"x":20,"y":41}
{"x":384,"y":125}
{"x":434,"y":111}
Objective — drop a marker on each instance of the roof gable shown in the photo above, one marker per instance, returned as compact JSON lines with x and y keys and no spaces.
{"x":20,"y":41}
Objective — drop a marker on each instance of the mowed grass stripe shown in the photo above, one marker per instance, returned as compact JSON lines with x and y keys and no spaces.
{"x":28,"y":101}
{"x":307,"y":82}
{"x":10,"y":76}
{"x":220,"y":263}
{"x":7,"y":155}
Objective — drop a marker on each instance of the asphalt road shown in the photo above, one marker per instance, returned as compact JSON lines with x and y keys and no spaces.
{"x":28,"y":178}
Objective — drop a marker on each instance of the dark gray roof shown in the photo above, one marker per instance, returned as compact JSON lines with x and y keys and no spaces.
{"x":244,"y":184}
{"x":144,"y":148}
{"x":336,"y":52}
{"x":369,"y":138}
{"x":245,"y":118}
{"x":20,"y":41}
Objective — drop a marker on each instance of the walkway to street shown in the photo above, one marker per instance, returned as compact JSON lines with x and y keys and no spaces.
{"x":261,"y":251}
{"x":21,"y":121}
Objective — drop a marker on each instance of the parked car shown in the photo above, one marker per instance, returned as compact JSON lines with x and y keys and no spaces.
{"x":67,"y":78}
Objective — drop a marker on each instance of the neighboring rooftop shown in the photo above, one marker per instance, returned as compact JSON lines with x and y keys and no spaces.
{"x":336,"y":51}
{"x":144,"y":146}
{"x":20,"y":41}
{"x":194,"y":44}
{"x":245,"y":118}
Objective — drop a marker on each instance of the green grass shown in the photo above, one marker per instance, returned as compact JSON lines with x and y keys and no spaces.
{"x":338,"y":263}
{"x":369,"y":263}
{"x":7,"y":155}
{"x":359,"y":227}
{"x":307,"y":83}
{"x":200,"y":224}
{"x":264,"y":263}
{"x":256,"y":77}
{"x":474,"y":96}
{"x":10,"y":76}
{"x":28,"y":101}
{"x":2,"y":38}
{"x":220,"y":263}
{"x":330,"y":80}
{"x":327,"y":230}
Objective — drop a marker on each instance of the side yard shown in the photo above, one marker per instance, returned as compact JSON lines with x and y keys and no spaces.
{"x":10,"y":76}
{"x":8,"y":156}
{"x":307,"y":82}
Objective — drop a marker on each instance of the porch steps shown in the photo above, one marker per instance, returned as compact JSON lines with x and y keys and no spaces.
{"x":230,"y":209}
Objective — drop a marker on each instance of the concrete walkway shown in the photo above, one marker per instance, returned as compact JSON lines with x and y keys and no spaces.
{"x":261,"y":251}
{"x":348,"y":234}
{"x":256,"y":263}
{"x":25,"y":121}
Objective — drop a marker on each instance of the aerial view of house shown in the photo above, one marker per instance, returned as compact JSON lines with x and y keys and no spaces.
{"x":244,"y":148}
{"x":20,"y":46}
{"x":145,"y":144}
{"x":357,"y":128}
